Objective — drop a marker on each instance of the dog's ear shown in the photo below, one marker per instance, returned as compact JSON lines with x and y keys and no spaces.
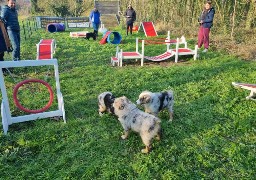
{"x":121,"y":107}
{"x":147,"y":99}
{"x":122,"y":103}
{"x":111,"y":100}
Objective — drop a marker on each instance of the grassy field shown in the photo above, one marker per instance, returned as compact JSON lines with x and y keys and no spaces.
{"x":212,"y":136}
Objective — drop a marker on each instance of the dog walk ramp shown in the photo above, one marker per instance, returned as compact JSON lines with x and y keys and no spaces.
{"x":161,"y":57}
{"x":109,"y":20}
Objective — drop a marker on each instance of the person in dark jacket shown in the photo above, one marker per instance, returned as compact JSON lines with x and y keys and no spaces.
{"x":130,"y":15}
{"x":5,"y":44}
{"x":3,"y":47}
{"x":206,"y":21}
{"x":95,"y":20}
{"x":10,"y":16}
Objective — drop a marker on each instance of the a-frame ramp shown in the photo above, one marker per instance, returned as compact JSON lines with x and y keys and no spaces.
{"x":148,"y":28}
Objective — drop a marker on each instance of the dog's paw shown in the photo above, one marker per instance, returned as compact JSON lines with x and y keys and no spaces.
{"x":101,"y":114}
{"x":250,"y":98}
{"x":158,"y":137}
{"x":123,"y":136}
{"x":145,"y":151}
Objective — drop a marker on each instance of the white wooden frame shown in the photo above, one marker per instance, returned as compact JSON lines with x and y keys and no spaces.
{"x":7,"y":118}
{"x":53,"y":47}
{"x":78,"y":34}
{"x":182,"y":40}
{"x":138,"y":56}
{"x":177,"y":53}
{"x":114,"y":59}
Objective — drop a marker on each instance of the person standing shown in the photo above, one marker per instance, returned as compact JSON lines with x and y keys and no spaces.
{"x":5,"y":44}
{"x":10,"y":15}
{"x":3,"y":47}
{"x":95,"y":19}
{"x":206,"y":21}
{"x":130,"y":15}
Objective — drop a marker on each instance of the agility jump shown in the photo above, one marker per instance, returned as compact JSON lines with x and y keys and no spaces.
{"x":7,"y":118}
{"x":80,"y":34}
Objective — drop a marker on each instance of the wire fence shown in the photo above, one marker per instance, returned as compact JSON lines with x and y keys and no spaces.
{"x":28,"y":26}
{"x":32,"y":24}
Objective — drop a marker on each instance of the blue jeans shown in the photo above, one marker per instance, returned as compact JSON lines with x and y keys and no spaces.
{"x":96,"y":27}
{"x":15,"y":40}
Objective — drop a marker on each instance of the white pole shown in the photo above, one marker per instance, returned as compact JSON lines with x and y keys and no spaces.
{"x":177,"y":50}
{"x":137,"y":45}
{"x":142,"y":53}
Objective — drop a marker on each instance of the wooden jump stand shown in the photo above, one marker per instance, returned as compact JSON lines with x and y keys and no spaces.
{"x":7,"y":118}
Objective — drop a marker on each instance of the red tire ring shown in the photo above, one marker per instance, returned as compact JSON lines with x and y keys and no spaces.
{"x":17,"y":103}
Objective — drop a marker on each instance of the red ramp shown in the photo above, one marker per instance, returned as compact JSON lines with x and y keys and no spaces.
{"x":104,"y":39}
{"x":148,"y":28}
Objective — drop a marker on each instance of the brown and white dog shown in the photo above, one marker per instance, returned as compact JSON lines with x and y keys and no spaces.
{"x":155,"y":102}
{"x":132,"y":118}
{"x":105,"y":103}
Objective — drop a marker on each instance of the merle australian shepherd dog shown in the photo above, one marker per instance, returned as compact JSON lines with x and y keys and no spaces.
{"x":155,"y":102}
{"x":90,"y":35}
{"x":105,"y":103}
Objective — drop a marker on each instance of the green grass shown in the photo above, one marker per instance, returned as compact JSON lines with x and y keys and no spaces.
{"x":213,"y":134}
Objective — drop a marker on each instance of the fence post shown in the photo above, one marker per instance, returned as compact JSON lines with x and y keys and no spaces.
{"x":24,"y":31}
{"x":27,"y":28}
{"x":35,"y":24}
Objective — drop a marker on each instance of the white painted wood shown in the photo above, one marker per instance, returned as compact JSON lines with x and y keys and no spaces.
{"x":7,"y":119}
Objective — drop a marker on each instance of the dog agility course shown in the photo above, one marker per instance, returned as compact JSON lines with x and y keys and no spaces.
{"x":212,"y":133}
